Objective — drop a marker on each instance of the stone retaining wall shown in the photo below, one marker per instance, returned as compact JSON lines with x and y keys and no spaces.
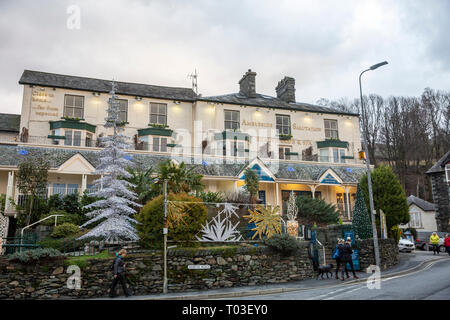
{"x":241,"y":266}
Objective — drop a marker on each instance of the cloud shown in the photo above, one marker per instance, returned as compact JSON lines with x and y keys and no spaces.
{"x":324,"y":45}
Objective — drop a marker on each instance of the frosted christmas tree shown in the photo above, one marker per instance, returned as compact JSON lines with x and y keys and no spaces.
{"x":362,"y":225}
{"x":117,"y":200}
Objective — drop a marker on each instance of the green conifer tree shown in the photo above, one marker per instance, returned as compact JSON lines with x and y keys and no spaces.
{"x":362,"y":225}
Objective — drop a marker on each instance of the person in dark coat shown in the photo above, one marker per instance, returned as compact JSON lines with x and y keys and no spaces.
{"x":119,"y":273}
{"x":340,"y":247}
{"x":346,"y":257}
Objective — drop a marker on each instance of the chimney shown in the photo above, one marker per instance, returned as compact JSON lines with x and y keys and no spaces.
{"x":247,"y":84}
{"x":286,"y":89}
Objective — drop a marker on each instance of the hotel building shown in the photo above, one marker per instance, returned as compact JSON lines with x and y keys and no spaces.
{"x":308,"y":149}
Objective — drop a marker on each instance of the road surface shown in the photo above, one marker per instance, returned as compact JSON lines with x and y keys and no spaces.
{"x":429,"y":283}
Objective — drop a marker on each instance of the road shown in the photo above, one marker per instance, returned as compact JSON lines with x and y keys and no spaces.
{"x":430,"y":283}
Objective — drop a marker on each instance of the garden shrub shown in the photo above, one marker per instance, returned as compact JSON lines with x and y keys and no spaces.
{"x":64,"y":230}
{"x":282,"y":243}
{"x":317,"y":211}
{"x":151,"y":217}
{"x":32,"y":256}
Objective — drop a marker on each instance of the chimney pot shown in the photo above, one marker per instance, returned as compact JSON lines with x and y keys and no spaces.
{"x":247,"y":85}
{"x":286,"y":89}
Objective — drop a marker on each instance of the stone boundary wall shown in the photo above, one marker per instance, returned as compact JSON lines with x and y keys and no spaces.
{"x":389,"y":255}
{"x":232,"y":267}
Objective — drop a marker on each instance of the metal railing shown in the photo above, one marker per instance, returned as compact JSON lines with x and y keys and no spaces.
{"x":147,"y":147}
{"x":76,"y":248}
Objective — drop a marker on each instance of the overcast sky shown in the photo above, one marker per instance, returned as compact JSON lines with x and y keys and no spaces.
{"x":324,"y":45}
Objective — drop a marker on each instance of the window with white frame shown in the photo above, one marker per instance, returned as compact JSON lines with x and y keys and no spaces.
{"x":283,"y":124}
{"x":447,"y":172}
{"x":123,"y":107}
{"x":331,"y":129}
{"x":158,"y":113}
{"x":73,"y":138}
{"x":324,"y":155}
{"x":415,"y":219}
{"x":232,"y":120}
{"x":159,"y":144}
{"x":282,"y":150}
{"x":73,"y":106}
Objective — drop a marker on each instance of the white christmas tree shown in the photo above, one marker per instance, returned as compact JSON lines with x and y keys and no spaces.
{"x":117,"y":200}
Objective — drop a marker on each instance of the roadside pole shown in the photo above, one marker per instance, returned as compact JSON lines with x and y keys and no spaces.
{"x":165,"y":237}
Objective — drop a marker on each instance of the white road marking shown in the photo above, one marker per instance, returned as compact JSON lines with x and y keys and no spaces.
{"x":349,"y":291}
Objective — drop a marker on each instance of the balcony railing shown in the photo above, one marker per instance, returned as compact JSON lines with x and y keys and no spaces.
{"x":178,"y":150}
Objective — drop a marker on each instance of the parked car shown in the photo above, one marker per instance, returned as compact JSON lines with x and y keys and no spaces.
{"x":423,"y":240}
{"x":405,"y":245}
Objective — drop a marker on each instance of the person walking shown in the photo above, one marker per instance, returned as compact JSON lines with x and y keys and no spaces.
{"x":119,"y":273}
{"x":447,"y":243}
{"x":434,"y":241}
{"x":347,"y":252}
{"x":337,"y":254}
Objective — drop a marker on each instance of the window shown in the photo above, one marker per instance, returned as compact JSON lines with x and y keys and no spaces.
{"x":73,"y":138}
{"x":159,"y":144}
{"x":331,"y":129}
{"x":415,"y":220}
{"x":123,"y":107}
{"x":88,"y":141}
{"x":232,"y":120}
{"x":158,"y":113}
{"x":59,"y":188}
{"x":237,"y":148}
{"x":283,"y":124}
{"x":447,"y":171}
{"x":72,"y":188}
{"x":282,"y":153}
{"x":73,"y":106}
{"x":324,"y":155}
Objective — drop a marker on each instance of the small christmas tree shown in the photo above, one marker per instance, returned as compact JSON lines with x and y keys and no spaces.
{"x":362,"y":225}
{"x":117,"y":200}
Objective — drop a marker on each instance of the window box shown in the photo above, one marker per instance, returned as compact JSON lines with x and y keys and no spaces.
{"x":291,"y":153}
{"x":72,"y":119}
{"x":173,"y":145}
{"x":285,"y":136}
{"x":347,"y":157}
{"x":332,"y":143}
{"x":52,"y":136}
{"x":72,"y":124}
{"x":155,"y":132}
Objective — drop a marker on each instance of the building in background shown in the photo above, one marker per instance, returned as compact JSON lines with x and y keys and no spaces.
{"x":422,"y":215}
{"x":295,"y":147}
{"x":440,"y":182}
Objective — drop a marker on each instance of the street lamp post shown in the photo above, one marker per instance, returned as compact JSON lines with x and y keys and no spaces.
{"x":369,"y":180}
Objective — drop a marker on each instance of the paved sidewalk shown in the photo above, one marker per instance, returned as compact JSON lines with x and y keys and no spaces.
{"x":408,"y":262}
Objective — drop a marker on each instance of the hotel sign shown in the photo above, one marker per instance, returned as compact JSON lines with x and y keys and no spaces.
{"x":257,"y":124}
{"x":297,"y":127}
{"x":43,"y":100}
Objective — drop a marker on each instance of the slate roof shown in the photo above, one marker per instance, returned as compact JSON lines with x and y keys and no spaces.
{"x":10,"y":155}
{"x":439,"y":166}
{"x":266,"y":101}
{"x":54,"y":80}
{"x":422,"y":204}
{"x":82,"y":83}
{"x":10,"y":122}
